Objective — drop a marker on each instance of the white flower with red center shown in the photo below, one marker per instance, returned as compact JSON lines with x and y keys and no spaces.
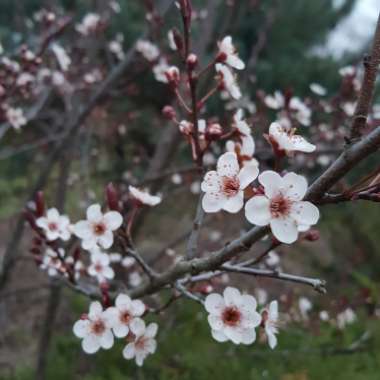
{"x":98,"y":229}
{"x":285,"y":140}
{"x":16,"y":118}
{"x":143,"y":342}
{"x":282,"y":206}
{"x":228,"y":81}
{"x":301,"y":110}
{"x":124,"y":313}
{"x":275,"y":101}
{"x":143,"y":197}
{"x":270,"y":320}
{"x":224,"y":187}
{"x":52,"y":263}
{"x":55,"y":226}
{"x":95,"y":329}
{"x":100,"y":267}
{"x":246,"y":145}
{"x":233,"y":316}
{"x":228,"y":54}
{"x":148,"y":50}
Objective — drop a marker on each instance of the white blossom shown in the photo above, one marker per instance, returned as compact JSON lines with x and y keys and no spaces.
{"x":346,"y":317}
{"x":125,"y":313}
{"x":100,"y":266}
{"x":270,"y":318}
{"x":98,"y":229}
{"x":287,"y":141}
{"x":302,"y":111}
{"x":228,"y":80}
{"x":233,"y":316}
{"x":52,"y":263}
{"x":224,"y":187}
{"x":89,"y":24}
{"x":281,"y":206}
{"x":55,"y":226}
{"x":159,"y":71}
{"x":275,"y":101}
{"x":171,"y":40}
{"x":15,"y":117}
{"x":144,"y":197}
{"x":305,"y":306}
{"x":94,"y":329}
{"x":318,"y":89}
{"x":227,"y":49}
{"x":143,"y":344}
{"x":148,"y":50}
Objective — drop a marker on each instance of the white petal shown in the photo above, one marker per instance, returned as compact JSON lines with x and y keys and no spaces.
{"x":83,"y":230}
{"x":112,"y":315}
{"x":80,"y":328}
{"x":106,"y":240}
{"x":273,"y":310}
{"x":235,"y":335}
{"x":140,"y":357}
{"x":272,"y":339}
{"x":109,"y":273}
{"x":94,"y":213}
{"x":52,"y":214}
{"x":272,"y":183}
{"x":95,"y":310}
{"x":90,"y":344}
{"x":211,"y":182}
{"x":42,"y":222}
{"x":249,"y":302}
{"x":151,"y":346}
{"x":247,"y":175}
{"x":248,"y":336}
{"x":151,"y":330}
{"x":235,"y":62}
{"x":219,"y":336}
{"x":215,"y":322}
{"x":113,"y":220}
{"x":251,"y":319}
{"x":123,"y":301}
{"x":305,"y":213}
{"x":214,"y":303}
{"x":257,"y":210}
{"x":228,"y":165}
{"x":302,"y":145}
{"x":129,"y":351}
{"x":232,"y":296}
{"x":106,"y":340}
{"x":248,"y":146}
{"x":284,"y":229}
{"x":296,"y":186}
{"x":138,"y":308}
{"x":137,"y":326}
{"x":212,"y":202}
{"x":234,"y":204}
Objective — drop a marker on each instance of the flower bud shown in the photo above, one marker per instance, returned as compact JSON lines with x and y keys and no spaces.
{"x":192,"y":61}
{"x":169,"y":112}
{"x":40,"y":204}
{"x":186,"y":127}
{"x":214,"y":131}
{"x":312,"y":235}
{"x":172,"y":75}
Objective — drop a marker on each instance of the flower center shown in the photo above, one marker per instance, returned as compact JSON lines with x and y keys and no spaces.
{"x":280,"y":206}
{"x":230,"y":186}
{"x":99,"y":228}
{"x":98,"y":268}
{"x":231,"y":316}
{"x":140,"y":343}
{"x":125,"y":317}
{"x":53,"y":226}
{"x":98,"y":327}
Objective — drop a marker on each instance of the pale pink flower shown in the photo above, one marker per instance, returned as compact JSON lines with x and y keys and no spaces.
{"x":98,"y":229}
{"x":100,"y":267}
{"x":55,"y":226}
{"x":52,"y":263}
{"x":143,"y":344}
{"x":224,"y":187}
{"x":287,"y":141}
{"x":228,"y":81}
{"x":275,"y":101}
{"x":123,"y":314}
{"x":301,"y":111}
{"x":15,"y":117}
{"x":94,"y":329}
{"x":89,"y":24}
{"x":270,"y":318}
{"x":233,"y":316}
{"x":148,"y":50}
{"x":281,"y":206}
{"x":144,"y":197}
{"x":228,"y":50}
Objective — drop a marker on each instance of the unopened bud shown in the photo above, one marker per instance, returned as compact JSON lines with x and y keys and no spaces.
{"x":172,"y":75}
{"x":40,"y":204}
{"x":186,"y":127}
{"x":112,"y":197}
{"x":312,"y":235}
{"x":169,"y":112}
{"x":177,"y":39}
{"x":192,"y":61}
{"x":214,"y":131}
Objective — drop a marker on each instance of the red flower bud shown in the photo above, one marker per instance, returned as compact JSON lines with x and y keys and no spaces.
{"x":312,"y":235}
{"x":112,"y":197}
{"x":40,"y":204}
{"x":192,"y":61}
{"x":169,"y":113}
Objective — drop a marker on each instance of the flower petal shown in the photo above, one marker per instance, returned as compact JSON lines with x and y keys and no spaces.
{"x":211,"y":182}
{"x":215,"y":322}
{"x":129,"y":351}
{"x":95,"y":310}
{"x":123,"y":301}
{"x":248,"y":336}
{"x":284,"y":229}
{"x":219,"y":336}
{"x":232,"y":296}
{"x":305,"y":213}
{"x":257,"y":210}
{"x":212,"y":202}
{"x":151,"y":330}
{"x":94,"y":214}
{"x":247,"y":175}
{"x":214,"y":303}
{"x":90,"y":344}
{"x":80,"y":328}
{"x":106,"y":340}
{"x":234,"y":204}
{"x":228,"y":165}
{"x":113,"y":220}
{"x":295,"y":185}
{"x":272,"y":183}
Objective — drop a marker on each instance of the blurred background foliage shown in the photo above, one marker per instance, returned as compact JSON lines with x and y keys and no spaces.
{"x":186,"y":350}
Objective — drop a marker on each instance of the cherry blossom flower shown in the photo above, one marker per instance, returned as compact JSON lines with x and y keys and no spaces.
{"x":144,"y":197}
{"x":324,"y":316}
{"x":346,"y":317}
{"x":159,"y":70}
{"x":89,"y":24}
{"x":97,"y":229}
{"x":233,"y":316}
{"x":228,"y":81}
{"x":143,"y":344}
{"x":24,"y":79}
{"x":123,"y":314}
{"x":275,"y":101}
{"x":228,"y":54}
{"x":318,"y":89}
{"x":281,"y":206}
{"x":270,"y":319}
{"x":302,"y":111}
{"x":224,"y":187}
{"x":55,"y":226}
{"x":305,"y":306}
{"x":349,"y":108}
{"x":287,"y":141}
{"x":100,"y":267}
{"x":15,"y":117}
{"x":52,"y":263}
{"x":94,"y":329}
{"x":246,"y":145}
{"x":347,"y":71}
{"x":148,"y":50}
